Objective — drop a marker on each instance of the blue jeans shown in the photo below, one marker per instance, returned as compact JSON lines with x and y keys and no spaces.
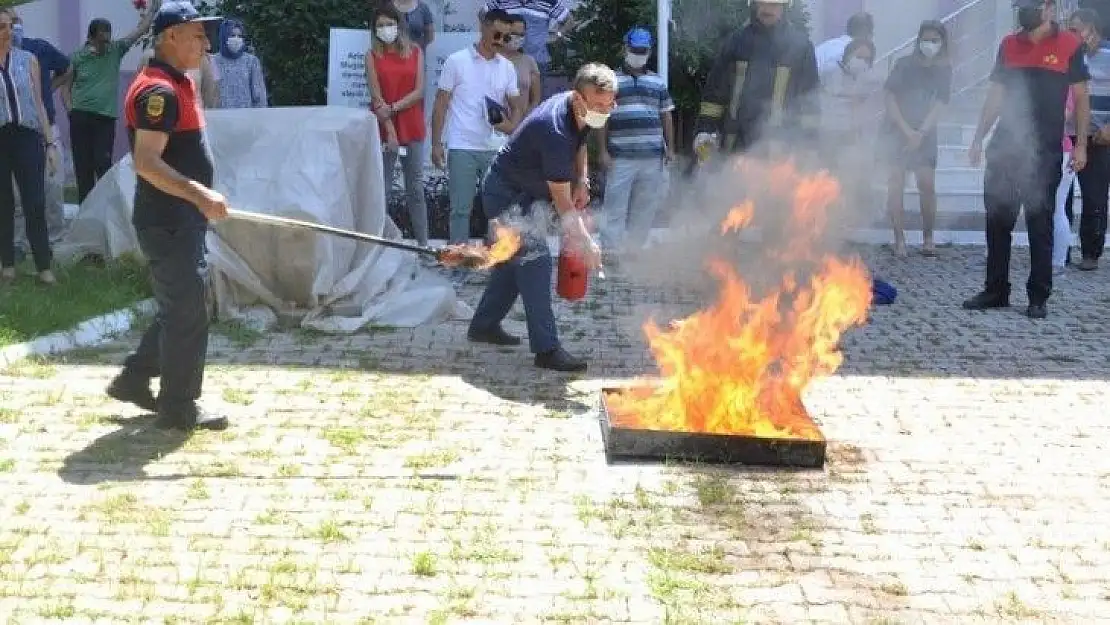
{"x":413,"y":171}
{"x":176,"y":344}
{"x":464,"y":169}
{"x":634,"y":189}
{"x":528,"y":274}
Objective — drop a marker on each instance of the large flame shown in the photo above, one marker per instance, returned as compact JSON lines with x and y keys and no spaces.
{"x":741,"y":365}
{"x":506,"y":243}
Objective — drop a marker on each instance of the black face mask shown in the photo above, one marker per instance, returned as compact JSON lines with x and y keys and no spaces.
{"x":1030,"y":18}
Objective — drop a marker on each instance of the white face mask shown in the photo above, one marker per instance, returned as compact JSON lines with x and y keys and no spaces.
{"x":858,"y":66}
{"x":929,"y":48}
{"x":595,"y":119}
{"x":636,"y":61}
{"x":514,"y":42}
{"x":234,"y":44}
{"x":387,"y":34}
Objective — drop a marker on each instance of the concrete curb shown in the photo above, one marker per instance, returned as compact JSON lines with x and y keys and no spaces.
{"x":85,"y":334}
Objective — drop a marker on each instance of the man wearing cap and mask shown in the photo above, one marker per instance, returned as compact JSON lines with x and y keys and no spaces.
{"x":90,"y":93}
{"x":174,"y":202}
{"x":762,"y":88}
{"x":543,"y":162}
{"x":1029,"y":85}
{"x":637,"y":147}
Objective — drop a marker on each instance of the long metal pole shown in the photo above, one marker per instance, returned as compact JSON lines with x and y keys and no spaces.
{"x":663,"y":35}
{"x":274,"y":220}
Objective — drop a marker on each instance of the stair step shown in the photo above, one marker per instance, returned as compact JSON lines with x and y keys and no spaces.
{"x":956,"y":221}
{"x":952,"y":155}
{"x":955,"y":133}
{"x":953,"y":178}
{"x":947,"y":179}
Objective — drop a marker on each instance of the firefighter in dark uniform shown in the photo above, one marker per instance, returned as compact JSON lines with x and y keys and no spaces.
{"x":174,"y":202}
{"x":762,"y":88}
{"x":1029,"y":86}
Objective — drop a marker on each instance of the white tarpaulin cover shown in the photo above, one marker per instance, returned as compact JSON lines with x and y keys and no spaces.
{"x":319,"y":164}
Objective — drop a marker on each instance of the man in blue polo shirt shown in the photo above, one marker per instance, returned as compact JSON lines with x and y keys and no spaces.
{"x":52,"y":65}
{"x":543,"y":161}
{"x":638,"y":147}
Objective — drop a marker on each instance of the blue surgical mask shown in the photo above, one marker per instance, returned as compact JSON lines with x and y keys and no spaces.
{"x":17,"y":35}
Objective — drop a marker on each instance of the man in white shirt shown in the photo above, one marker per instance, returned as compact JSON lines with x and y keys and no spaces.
{"x":474,"y":84}
{"x":830,"y":52}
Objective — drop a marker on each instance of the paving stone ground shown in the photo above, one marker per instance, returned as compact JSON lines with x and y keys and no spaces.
{"x":407,"y":476}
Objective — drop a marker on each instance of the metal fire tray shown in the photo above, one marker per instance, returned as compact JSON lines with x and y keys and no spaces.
{"x":625,"y":443}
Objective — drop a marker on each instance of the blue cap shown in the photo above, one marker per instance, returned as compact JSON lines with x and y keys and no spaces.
{"x":638,"y":38}
{"x":174,"y":13}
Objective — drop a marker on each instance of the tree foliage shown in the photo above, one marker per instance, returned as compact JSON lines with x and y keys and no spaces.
{"x":291,"y":37}
{"x":697,"y":30}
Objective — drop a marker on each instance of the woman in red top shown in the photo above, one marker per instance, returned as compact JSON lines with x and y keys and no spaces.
{"x":395,"y":73}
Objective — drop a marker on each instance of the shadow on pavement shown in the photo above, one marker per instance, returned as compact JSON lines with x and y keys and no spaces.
{"x":122,"y":455}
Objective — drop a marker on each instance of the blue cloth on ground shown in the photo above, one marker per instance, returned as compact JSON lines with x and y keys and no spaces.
{"x":883,"y":293}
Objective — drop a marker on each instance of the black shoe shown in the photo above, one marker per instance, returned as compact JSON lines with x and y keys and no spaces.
{"x":1088,"y":264}
{"x":189,"y":419}
{"x":132,"y":389}
{"x":493,"y":336}
{"x":559,"y":360}
{"x":987,"y":300}
{"x":1036,"y":311}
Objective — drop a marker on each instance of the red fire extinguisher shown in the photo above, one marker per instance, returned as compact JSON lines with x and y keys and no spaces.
{"x":573,"y":277}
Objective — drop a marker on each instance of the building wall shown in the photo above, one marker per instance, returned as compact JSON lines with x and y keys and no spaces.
{"x":65,"y":22}
{"x":896,"y":22}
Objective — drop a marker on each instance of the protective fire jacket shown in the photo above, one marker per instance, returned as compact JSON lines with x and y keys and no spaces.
{"x":763,"y":85}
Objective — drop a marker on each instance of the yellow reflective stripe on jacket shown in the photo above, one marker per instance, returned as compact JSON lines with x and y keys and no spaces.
{"x":709,"y":109}
{"x":739,"y":78}
{"x":778,"y":96}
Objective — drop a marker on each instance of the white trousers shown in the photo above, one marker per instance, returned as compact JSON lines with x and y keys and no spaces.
{"x":1061,"y":229}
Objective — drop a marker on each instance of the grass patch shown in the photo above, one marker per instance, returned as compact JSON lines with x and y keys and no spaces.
{"x":84,"y":290}
{"x":238,"y":333}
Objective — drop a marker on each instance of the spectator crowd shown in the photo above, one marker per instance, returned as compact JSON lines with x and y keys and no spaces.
{"x":485,"y":91}
{"x":87,"y":82}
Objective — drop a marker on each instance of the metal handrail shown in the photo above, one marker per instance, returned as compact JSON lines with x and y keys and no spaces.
{"x":971,"y":48}
{"x":894,"y":54}
{"x":979,"y":61}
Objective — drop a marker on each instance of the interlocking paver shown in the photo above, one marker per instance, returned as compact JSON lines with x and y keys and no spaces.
{"x":407,"y":476}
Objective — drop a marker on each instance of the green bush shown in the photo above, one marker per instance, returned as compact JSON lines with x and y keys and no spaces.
{"x":291,"y":38}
